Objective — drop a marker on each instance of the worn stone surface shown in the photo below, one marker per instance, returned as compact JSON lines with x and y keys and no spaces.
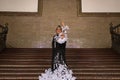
{"x":37,"y":32}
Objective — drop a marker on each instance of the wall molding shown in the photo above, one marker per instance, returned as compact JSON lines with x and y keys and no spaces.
{"x":39,"y":13}
{"x":96,"y":14}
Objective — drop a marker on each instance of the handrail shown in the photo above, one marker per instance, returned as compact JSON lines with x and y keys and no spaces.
{"x":3,"y":36}
{"x":115,"y":37}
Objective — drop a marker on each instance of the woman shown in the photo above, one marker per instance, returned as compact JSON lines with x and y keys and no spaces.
{"x":58,"y":46}
{"x":59,"y":70}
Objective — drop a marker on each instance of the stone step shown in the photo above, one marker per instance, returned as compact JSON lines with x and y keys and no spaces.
{"x":77,"y":59}
{"x":86,"y":64}
{"x":78,"y":78}
{"x":72,"y":66}
{"x":77,"y":69}
{"x":69,"y":63}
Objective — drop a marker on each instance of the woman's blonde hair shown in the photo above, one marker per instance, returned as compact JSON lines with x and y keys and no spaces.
{"x":59,"y":27}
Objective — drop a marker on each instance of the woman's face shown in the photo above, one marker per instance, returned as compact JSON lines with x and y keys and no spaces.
{"x":58,"y":30}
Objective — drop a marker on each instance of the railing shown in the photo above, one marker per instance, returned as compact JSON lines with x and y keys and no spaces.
{"x":115,"y":37}
{"x":3,"y":36}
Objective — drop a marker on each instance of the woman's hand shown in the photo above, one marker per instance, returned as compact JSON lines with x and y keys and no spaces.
{"x":62,"y":23}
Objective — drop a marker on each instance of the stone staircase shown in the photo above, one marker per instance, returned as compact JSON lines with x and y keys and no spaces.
{"x":87,"y":64}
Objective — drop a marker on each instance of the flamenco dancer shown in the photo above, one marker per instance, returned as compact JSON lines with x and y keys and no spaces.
{"x":59,"y":69}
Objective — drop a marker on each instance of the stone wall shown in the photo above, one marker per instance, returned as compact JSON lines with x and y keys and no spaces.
{"x":37,"y":31}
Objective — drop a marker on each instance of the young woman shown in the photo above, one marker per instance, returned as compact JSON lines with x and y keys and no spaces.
{"x":58,"y":48}
{"x":59,"y":70}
